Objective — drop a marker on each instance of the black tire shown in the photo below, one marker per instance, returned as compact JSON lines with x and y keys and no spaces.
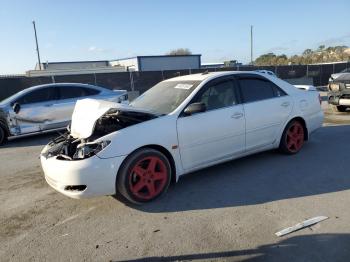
{"x":341,"y":108}
{"x":292,"y":138}
{"x":128,"y":180}
{"x":3,"y":135}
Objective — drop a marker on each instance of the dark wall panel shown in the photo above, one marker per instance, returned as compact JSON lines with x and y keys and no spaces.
{"x":141,"y":81}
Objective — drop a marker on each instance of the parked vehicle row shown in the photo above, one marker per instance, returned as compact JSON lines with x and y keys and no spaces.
{"x":180,"y":125}
{"x":48,"y":107}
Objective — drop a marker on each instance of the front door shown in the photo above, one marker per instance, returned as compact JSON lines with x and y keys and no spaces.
{"x":215,"y":134}
{"x":36,"y":110}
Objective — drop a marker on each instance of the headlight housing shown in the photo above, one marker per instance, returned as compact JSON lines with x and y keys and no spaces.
{"x":334,"y":87}
{"x":86,"y":150}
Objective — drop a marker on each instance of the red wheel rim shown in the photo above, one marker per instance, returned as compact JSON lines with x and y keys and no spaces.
{"x":295,"y":137}
{"x":148,"y":178}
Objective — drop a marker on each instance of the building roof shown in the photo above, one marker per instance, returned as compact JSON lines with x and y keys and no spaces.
{"x":72,"y":62}
{"x":147,"y":56}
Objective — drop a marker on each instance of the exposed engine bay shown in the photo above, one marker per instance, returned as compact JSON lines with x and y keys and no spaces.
{"x":68,"y":147}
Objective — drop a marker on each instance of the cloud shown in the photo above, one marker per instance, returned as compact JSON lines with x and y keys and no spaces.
{"x":97,"y":49}
{"x":283,"y":47}
{"x":340,"y":40}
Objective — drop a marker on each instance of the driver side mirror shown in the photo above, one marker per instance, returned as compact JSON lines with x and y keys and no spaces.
{"x":16,"y":107}
{"x":195,"y":108}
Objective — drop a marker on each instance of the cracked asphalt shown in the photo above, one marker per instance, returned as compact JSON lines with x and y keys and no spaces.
{"x":228,"y":212}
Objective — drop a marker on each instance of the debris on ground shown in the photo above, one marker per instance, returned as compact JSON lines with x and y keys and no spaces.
{"x":306,"y":223}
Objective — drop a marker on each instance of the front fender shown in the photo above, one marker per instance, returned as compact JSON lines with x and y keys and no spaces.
{"x":3,"y":121}
{"x":159,"y":131}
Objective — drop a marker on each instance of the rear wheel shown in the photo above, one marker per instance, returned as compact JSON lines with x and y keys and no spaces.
{"x":293,"y":138}
{"x":144,"y":176}
{"x":341,"y":108}
{"x":3,"y":135}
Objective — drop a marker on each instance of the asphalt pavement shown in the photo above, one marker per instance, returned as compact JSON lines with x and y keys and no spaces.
{"x":228,"y":212}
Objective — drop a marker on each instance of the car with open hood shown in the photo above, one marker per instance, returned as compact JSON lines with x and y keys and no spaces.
{"x":47,"y":108}
{"x":178,"y":126}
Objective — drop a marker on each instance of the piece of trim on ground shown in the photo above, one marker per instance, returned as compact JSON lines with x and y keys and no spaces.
{"x":306,"y":223}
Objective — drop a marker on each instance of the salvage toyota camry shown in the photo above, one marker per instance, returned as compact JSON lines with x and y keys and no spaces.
{"x":178,"y":126}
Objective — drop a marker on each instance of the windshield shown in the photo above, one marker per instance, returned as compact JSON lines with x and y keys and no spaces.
{"x":13,"y":97}
{"x":165,"y":96}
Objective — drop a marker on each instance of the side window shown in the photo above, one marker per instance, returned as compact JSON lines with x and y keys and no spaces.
{"x":91,"y":92}
{"x":254,"y":89}
{"x":38,"y":96}
{"x":218,"y":95}
{"x":277,"y":91}
{"x":67,"y":92}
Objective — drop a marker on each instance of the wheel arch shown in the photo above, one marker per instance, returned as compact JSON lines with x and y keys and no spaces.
{"x":303,"y":123}
{"x":166,"y":153}
{"x":3,"y":125}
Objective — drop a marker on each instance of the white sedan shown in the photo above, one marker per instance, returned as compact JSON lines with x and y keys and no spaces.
{"x":178,"y":126}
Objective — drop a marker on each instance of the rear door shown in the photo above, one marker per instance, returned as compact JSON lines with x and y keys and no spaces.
{"x":217,"y":133}
{"x":266,"y":108}
{"x":67,"y":97}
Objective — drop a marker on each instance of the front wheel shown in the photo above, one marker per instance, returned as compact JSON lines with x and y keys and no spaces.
{"x":293,"y":138}
{"x":3,"y":136}
{"x":144,"y":176}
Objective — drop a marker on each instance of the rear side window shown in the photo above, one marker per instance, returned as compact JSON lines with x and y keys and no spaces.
{"x":38,"y":96}
{"x":67,"y":92}
{"x":254,"y":89}
{"x":91,"y":92}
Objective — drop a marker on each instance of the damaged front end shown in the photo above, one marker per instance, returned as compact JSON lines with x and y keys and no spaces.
{"x":92,"y":120}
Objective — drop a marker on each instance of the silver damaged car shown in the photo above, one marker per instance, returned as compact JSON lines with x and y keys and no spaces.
{"x":49,"y":107}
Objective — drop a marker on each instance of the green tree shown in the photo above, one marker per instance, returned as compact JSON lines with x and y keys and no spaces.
{"x":309,"y":56}
{"x":180,"y":51}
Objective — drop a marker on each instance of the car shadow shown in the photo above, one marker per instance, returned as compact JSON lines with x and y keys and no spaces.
{"x":319,"y":168}
{"x":35,"y":140}
{"x":299,"y":248}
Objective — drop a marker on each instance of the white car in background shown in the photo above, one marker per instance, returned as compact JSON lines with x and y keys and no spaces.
{"x":268,"y":72}
{"x":180,"y":125}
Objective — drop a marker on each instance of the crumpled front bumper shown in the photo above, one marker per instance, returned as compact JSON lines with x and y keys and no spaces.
{"x":98,"y":175}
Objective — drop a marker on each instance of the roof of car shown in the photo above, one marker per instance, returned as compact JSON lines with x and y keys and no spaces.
{"x":64,"y":84}
{"x":204,"y":76}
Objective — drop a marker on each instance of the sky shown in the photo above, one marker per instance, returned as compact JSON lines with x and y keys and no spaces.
{"x":219,"y":30}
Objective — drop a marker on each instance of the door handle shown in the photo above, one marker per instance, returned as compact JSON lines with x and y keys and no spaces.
{"x":48,"y":105}
{"x":285,"y":104}
{"x":237,"y":115}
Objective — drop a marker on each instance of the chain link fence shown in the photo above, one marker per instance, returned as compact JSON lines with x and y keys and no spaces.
{"x":317,"y":75}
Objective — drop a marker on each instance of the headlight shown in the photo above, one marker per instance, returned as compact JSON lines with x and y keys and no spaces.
{"x":86,"y":150}
{"x":333,"y":87}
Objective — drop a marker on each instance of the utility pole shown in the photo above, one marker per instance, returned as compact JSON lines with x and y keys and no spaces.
{"x":37,"y":46}
{"x":251,"y":45}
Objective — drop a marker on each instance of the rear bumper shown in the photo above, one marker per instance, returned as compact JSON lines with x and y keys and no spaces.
{"x":315,"y":121}
{"x":98,"y":175}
